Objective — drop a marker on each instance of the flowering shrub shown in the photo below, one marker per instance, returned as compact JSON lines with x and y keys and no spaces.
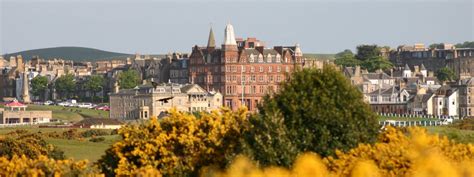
{"x":178,"y":145}
{"x":415,"y":154}
{"x":44,"y":166}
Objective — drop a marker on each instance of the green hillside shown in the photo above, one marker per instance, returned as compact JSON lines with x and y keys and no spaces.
{"x":70,"y":53}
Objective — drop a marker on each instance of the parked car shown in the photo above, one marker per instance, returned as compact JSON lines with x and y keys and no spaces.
{"x":49,"y":102}
{"x":104,"y":108}
{"x":86,"y":105}
{"x":64,"y":103}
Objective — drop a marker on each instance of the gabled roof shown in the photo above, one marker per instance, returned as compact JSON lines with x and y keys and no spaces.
{"x":14,"y":104}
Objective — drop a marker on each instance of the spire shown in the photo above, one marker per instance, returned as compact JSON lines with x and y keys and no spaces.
{"x":211,"y":42}
{"x":423,"y":66}
{"x":229,"y":35}
{"x":407,"y":67}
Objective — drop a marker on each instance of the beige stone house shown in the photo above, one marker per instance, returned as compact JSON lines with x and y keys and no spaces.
{"x":16,"y":113}
{"x":149,"y":100}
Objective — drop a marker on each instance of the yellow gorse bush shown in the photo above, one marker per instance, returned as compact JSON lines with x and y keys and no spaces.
{"x":44,"y":166}
{"x":415,"y":154}
{"x":176,"y":145}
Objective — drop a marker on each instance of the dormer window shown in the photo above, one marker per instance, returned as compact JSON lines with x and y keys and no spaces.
{"x":278,"y":58}
{"x":269,"y":58}
{"x":260,"y":58}
{"x":252,"y":58}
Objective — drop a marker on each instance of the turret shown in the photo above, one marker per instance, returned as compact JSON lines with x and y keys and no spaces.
{"x":423,"y":70}
{"x":406,"y":71}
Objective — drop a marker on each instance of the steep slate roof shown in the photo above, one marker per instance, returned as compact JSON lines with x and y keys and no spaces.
{"x":372,"y":76}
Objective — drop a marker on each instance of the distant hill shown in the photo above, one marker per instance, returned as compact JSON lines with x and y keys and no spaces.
{"x":319,"y":56}
{"x":70,"y":53}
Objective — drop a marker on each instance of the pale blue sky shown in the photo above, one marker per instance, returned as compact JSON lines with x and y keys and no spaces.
{"x":161,"y":26}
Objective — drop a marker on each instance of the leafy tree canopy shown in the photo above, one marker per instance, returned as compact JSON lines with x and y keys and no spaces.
{"x":65,"y":85}
{"x":376,"y":63}
{"x":39,"y":84}
{"x":467,"y":44}
{"x":129,"y":79}
{"x":316,"y":110}
{"x":366,"y":52}
{"x":445,"y":74}
{"x":95,"y":83}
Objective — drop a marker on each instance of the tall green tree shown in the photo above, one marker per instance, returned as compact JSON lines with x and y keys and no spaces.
{"x":366,"y":52}
{"x":129,"y":79}
{"x":39,"y":84}
{"x":95,"y":84}
{"x":316,"y":110}
{"x":445,"y":74}
{"x":346,"y":58}
{"x":467,"y":44}
{"x":375,"y":63}
{"x":65,"y":86}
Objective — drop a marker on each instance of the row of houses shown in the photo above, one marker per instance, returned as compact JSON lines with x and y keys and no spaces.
{"x":413,"y":91}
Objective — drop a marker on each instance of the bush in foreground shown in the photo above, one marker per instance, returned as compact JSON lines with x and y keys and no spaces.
{"x":316,"y":110}
{"x":178,"y":145}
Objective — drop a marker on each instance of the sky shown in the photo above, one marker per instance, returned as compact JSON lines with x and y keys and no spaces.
{"x":163,"y":26}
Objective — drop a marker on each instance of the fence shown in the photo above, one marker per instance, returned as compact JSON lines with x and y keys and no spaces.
{"x":412,"y":123}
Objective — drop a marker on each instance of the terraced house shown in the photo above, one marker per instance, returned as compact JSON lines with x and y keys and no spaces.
{"x":242,"y":70}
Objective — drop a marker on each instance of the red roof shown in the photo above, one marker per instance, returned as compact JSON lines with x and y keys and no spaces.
{"x":15,"y":103}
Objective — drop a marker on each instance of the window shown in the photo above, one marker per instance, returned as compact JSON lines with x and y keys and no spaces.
{"x":270,"y":78}
{"x":287,"y":69}
{"x":261,"y":69}
{"x":270,"y":69}
{"x":243,"y":68}
{"x":278,"y":78}
{"x":252,"y":58}
{"x":373,"y":98}
{"x":278,"y":69}
{"x":252,"y":78}
{"x":260,"y":78}
{"x":260,"y":58}
{"x":278,"y":58}
{"x":269,"y":58}
{"x":252,"y":69}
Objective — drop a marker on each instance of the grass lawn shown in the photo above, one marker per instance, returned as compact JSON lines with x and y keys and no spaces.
{"x":70,"y":113}
{"x":461,"y":136}
{"x":84,"y":149}
{"x":75,"y":149}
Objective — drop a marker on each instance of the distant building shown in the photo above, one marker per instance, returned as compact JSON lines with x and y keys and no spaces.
{"x":242,"y":70}
{"x":16,"y":113}
{"x":150,"y":100}
{"x":461,"y":60}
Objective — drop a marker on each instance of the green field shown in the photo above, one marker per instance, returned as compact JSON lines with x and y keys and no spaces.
{"x":76,"y":149}
{"x":458,"y":135}
{"x":70,"y":114}
{"x":84,"y":149}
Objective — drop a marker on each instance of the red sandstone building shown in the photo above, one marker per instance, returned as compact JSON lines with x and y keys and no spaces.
{"x":242,"y":70}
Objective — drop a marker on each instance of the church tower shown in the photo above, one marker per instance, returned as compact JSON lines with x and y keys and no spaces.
{"x":26,"y":92}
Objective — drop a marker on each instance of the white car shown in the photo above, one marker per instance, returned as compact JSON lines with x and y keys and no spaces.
{"x":49,"y":102}
{"x":63,"y":103}
{"x":86,"y":105}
